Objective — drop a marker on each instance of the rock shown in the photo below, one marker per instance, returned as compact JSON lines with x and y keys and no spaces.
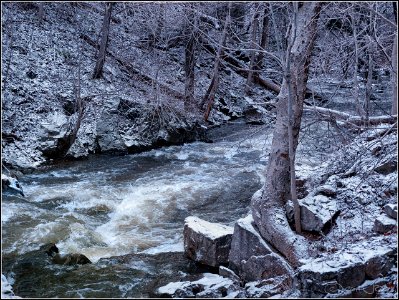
{"x":256,"y":115}
{"x":210,"y":286}
{"x":387,"y":167}
{"x":265,"y":267}
{"x":69,"y":259}
{"x":391,"y":210}
{"x":226,"y":272}
{"x":366,"y":290}
{"x":326,"y":190}
{"x":268,"y":287}
{"x":11,"y":184}
{"x":347,"y":269}
{"x":205,"y":242}
{"x":107,"y":134}
{"x":246,"y":242}
{"x":316,"y":212}
{"x":384,"y":224}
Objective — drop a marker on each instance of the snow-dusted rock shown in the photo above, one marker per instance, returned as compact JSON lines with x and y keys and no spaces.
{"x":210,"y":286}
{"x":384,"y":224}
{"x":256,"y":115}
{"x":268,"y":287}
{"x":391,"y":210}
{"x":265,"y":267}
{"x":246,"y":242}
{"x":366,"y":290}
{"x":12,"y":184}
{"x":107,"y":134}
{"x":226,"y":272}
{"x":317,"y":211}
{"x":326,"y":190}
{"x":205,"y":242}
{"x":347,"y":268}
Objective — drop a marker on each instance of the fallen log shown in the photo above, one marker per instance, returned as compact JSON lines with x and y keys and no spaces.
{"x":334,"y":115}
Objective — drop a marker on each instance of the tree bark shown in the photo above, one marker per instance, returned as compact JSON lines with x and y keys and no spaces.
{"x":98,"y":70}
{"x":263,"y":41}
{"x":394,"y":109}
{"x":291,"y":150}
{"x":209,"y":97}
{"x":254,"y":47}
{"x":268,"y":206}
{"x":189,"y":65}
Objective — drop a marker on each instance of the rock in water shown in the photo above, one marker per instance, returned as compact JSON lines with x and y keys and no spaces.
{"x":207,"y":243}
{"x":69,"y":259}
{"x":12,"y":184}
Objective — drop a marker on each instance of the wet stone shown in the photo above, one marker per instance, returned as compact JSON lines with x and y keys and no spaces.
{"x":205,"y":242}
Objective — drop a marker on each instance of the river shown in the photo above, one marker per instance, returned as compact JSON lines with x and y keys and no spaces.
{"x":109,"y":206}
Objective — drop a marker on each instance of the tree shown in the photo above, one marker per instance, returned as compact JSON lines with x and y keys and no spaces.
{"x":209,"y":97}
{"x":189,"y":65}
{"x":98,"y":70}
{"x":254,"y":47}
{"x":268,"y":206}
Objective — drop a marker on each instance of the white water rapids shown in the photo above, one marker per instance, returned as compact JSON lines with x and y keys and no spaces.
{"x":108,"y":206}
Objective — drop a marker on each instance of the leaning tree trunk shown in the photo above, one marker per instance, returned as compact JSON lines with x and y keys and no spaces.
{"x":209,"y":97}
{"x":254,"y":48}
{"x":189,"y":65}
{"x":98,"y":70}
{"x":268,"y":206}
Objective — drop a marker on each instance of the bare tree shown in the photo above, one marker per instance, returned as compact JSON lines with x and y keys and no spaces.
{"x":263,"y":40}
{"x":209,"y":97}
{"x":98,"y":70}
{"x":189,"y":66}
{"x":268,"y":208}
{"x":254,"y":45}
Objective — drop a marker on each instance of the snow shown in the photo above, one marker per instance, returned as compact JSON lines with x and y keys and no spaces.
{"x":210,"y":230}
{"x":208,"y":281}
{"x":6,"y":289}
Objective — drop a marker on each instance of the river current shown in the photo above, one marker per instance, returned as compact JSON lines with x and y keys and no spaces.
{"x":109,"y":206}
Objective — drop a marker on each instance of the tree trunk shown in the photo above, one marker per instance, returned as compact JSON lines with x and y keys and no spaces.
{"x":268,"y":206}
{"x":189,"y":65}
{"x":209,"y":97}
{"x":394,"y":109}
{"x":98,"y":70}
{"x":254,"y":47}
{"x":291,"y":150}
{"x":263,"y":41}
{"x":41,"y":12}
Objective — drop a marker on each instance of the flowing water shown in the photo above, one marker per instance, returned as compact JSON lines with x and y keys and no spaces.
{"x":111,"y":206}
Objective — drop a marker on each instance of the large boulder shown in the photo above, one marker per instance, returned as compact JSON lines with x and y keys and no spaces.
{"x":348,"y":268}
{"x":205,"y":242}
{"x":246,"y":242}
